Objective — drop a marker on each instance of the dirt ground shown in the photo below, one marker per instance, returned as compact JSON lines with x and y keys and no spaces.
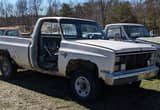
{"x":34,"y":91}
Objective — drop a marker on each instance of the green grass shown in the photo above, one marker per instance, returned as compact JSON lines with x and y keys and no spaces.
{"x":33,"y":91}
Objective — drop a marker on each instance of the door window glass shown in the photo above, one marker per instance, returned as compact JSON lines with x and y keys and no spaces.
{"x":50,"y":28}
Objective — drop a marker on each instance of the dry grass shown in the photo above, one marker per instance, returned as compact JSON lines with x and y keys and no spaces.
{"x":32,"y":91}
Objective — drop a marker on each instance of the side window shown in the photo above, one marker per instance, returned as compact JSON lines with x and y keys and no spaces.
{"x":69,"y":30}
{"x":12,"y":33}
{"x":1,"y":32}
{"x":50,"y":28}
{"x":114,"y":32}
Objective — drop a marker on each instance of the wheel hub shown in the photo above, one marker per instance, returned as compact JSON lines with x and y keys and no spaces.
{"x":82,"y":86}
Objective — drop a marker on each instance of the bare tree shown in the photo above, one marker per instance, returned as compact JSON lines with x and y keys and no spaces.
{"x":9,"y":9}
{"x":52,"y":7}
{"x":21,"y":7}
{"x":66,"y":10}
{"x":103,"y":7}
{"x":35,"y":7}
{"x":4,"y":4}
{"x":1,"y":9}
{"x":79,"y":11}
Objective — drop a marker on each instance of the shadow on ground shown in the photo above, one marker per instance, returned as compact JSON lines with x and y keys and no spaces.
{"x":115,"y":98}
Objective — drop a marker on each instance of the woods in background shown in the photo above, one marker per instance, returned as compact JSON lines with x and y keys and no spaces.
{"x":26,"y":12}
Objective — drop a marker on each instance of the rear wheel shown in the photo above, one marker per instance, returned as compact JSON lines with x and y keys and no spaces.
{"x":84,"y":85}
{"x":7,"y":68}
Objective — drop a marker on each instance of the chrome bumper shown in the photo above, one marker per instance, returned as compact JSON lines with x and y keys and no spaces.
{"x":126,"y":77}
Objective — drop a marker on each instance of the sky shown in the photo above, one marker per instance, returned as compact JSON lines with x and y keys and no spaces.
{"x":61,"y":1}
{"x":73,"y":2}
{"x":64,"y":1}
{"x":45,"y":4}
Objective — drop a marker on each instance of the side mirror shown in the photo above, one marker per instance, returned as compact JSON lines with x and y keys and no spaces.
{"x":151,"y":33}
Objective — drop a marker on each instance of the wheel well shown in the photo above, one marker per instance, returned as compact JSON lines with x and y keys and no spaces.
{"x":6,"y":53}
{"x":79,"y":64}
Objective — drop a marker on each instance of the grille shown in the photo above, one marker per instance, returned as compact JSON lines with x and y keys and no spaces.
{"x":135,"y":61}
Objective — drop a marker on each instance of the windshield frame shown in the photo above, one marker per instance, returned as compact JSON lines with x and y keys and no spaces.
{"x":78,"y":24}
{"x":126,"y":28}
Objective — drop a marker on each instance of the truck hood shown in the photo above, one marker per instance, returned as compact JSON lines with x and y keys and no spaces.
{"x":118,"y":46}
{"x":155,"y":40}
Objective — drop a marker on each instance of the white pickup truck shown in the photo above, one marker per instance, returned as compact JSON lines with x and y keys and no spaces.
{"x":76,"y":49}
{"x":131,"y":32}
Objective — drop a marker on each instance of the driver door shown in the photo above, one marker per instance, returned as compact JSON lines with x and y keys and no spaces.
{"x":49,"y":44}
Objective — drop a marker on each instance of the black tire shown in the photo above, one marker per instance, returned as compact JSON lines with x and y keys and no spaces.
{"x":134,"y":84}
{"x":94,"y":83}
{"x":8,"y":69}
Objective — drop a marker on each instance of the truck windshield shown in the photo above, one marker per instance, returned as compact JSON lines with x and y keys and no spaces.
{"x":137,"y":31}
{"x":78,"y":29}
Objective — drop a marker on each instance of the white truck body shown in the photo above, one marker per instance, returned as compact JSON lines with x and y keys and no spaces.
{"x":100,"y":52}
{"x":80,"y":54}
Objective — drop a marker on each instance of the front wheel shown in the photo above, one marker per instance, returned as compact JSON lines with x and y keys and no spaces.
{"x":134,"y":84}
{"x":7,"y":68}
{"x":85,"y":85}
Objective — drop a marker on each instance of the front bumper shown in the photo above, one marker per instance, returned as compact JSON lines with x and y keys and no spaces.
{"x":126,"y":77}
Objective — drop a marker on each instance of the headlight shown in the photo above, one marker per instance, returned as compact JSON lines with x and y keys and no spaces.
{"x":123,"y":67}
{"x":118,"y":59}
{"x":119,"y":65}
{"x":117,"y":62}
{"x":152,"y":59}
{"x":117,"y":68}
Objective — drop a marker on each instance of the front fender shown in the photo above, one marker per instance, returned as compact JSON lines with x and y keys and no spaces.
{"x":103,"y":62}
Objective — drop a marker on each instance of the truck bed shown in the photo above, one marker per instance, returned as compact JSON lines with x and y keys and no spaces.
{"x":18,"y":48}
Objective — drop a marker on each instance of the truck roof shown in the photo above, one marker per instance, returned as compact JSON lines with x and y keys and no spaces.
{"x":69,"y":18}
{"x":122,"y":24}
